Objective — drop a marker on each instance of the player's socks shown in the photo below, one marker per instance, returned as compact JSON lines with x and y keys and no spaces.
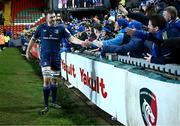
{"x":46,"y":91}
{"x":53,"y":92}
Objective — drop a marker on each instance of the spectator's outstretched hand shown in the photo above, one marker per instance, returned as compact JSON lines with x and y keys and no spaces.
{"x":98,"y":43}
{"x":130,"y":31}
{"x":148,"y":57}
{"x":123,"y":10}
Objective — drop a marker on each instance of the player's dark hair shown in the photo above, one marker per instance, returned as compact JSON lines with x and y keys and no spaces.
{"x":49,"y":12}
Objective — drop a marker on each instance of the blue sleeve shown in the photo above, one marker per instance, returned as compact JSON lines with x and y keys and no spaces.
{"x":158,"y":60}
{"x":118,"y":40}
{"x":37,"y":33}
{"x":66,"y":33}
{"x":113,"y":49}
{"x":139,"y":17}
{"x":177,"y":24}
{"x":142,"y":34}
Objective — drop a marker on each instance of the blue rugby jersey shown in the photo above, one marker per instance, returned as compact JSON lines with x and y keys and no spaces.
{"x":50,"y":37}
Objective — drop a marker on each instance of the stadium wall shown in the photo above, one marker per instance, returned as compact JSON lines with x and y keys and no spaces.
{"x":130,"y":94}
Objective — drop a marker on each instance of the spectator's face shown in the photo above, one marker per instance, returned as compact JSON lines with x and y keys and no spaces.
{"x":51,"y":19}
{"x":58,"y":17}
{"x":151,"y":28}
{"x":167,"y":16}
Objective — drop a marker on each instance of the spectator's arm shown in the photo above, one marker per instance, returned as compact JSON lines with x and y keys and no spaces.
{"x":118,"y":40}
{"x":172,"y":42}
{"x":136,"y":16}
{"x":123,"y":10}
{"x":158,"y":60}
{"x":142,"y":34}
{"x":154,"y":39}
{"x":139,"y":17}
{"x":137,"y":33}
{"x":168,"y":58}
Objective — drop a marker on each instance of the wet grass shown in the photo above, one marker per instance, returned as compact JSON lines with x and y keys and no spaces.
{"x":21,"y":96}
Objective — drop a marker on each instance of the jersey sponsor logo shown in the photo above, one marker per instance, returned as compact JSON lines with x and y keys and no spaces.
{"x":44,"y":30}
{"x":148,"y":106}
{"x":50,"y":38}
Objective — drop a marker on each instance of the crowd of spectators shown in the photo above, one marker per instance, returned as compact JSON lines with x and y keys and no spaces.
{"x":10,"y":39}
{"x":151,"y":31}
{"x":79,"y":3}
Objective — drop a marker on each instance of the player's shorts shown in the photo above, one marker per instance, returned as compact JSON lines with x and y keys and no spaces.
{"x":50,"y":64}
{"x":51,"y":60}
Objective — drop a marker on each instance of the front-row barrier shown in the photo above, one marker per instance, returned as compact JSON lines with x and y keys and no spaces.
{"x":173,"y":69}
{"x":131,"y":95}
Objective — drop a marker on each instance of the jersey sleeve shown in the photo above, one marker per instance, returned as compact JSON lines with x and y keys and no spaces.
{"x":66,"y":33}
{"x":37,"y":32}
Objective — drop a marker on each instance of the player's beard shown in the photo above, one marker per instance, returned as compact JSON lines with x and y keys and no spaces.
{"x":52,"y":22}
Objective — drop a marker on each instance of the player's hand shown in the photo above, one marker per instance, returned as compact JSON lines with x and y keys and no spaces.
{"x":28,"y":55}
{"x":86,"y":43}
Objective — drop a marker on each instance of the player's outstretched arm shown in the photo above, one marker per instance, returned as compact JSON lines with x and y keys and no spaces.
{"x":31,"y":42}
{"x":75,"y":40}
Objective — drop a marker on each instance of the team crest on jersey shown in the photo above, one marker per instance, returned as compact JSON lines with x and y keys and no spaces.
{"x":56,"y":31}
